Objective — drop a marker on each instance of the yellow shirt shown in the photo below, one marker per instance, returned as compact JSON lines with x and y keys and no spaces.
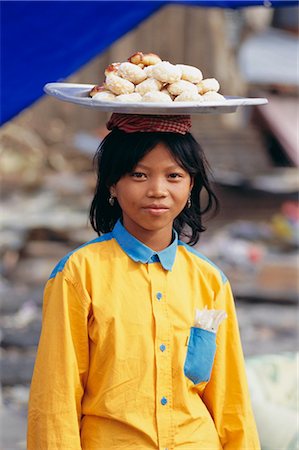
{"x":119,"y":364}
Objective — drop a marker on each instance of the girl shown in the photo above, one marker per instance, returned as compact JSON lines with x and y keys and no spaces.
{"x":121,"y":363}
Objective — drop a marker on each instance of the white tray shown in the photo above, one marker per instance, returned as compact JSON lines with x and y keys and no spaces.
{"x":78,"y":94}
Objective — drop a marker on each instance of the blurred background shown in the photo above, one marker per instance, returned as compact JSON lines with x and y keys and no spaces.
{"x":47,"y":183}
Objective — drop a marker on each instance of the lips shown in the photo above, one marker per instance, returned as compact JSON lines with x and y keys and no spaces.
{"x":156,"y":206}
{"x":155,"y":209}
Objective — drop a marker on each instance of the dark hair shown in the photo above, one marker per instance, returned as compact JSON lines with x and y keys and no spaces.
{"x":120,"y":152}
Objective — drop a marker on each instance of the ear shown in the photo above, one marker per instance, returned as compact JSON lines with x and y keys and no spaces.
{"x":112,"y":190}
{"x":191,"y":183}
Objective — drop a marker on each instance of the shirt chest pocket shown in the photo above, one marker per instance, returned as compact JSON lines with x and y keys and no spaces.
{"x":200,"y":355}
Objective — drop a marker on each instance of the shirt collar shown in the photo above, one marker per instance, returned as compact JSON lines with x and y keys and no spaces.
{"x":139,"y":252}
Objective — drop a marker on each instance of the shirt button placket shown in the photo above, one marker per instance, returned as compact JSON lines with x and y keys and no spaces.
{"x":163,"y":357}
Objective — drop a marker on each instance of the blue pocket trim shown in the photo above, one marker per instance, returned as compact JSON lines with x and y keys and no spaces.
{"x":200,"y":355}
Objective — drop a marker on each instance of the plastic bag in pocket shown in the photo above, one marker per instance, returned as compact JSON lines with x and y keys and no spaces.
{"x":200,"y":355}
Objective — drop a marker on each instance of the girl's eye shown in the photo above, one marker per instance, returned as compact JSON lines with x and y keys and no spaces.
{"x":138,"y":175}
{"x":175,"y":175}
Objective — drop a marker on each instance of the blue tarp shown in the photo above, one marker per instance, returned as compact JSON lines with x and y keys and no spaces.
{"x":44,"y":41}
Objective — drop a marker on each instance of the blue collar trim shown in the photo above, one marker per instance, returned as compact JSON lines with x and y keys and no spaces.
{"x":139,"y":252}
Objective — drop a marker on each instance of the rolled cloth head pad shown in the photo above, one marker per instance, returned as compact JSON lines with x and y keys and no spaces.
{"x":132,"y":123}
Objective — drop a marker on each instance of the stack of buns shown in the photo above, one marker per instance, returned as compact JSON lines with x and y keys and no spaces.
{"x":144,"y":77}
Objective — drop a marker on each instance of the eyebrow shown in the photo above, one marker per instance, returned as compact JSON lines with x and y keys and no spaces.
{"x":172,"y":167}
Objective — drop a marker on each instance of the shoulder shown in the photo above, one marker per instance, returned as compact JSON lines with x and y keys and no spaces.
{"x":87,"y":251}
{"x":202,"y":262}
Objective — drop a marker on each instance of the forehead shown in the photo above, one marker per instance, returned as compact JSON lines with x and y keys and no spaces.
{"x":160,"y":154}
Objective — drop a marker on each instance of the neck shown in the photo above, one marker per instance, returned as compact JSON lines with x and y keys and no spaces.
{"x":157,"y":240}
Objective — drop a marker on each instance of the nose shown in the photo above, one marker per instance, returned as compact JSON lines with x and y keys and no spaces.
{"x":157,"y":188}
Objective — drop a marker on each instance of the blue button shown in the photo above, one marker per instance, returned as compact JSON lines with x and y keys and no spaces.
{"x":162,"y":347}
{"x":159,"y":295}
{"x":164,"y":401}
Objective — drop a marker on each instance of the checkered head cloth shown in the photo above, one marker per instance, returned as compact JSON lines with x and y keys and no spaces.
{"x":132,"y":123}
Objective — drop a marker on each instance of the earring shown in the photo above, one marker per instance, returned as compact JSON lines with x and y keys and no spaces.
{"x":111,"y":200}
{"x":189,"y":201}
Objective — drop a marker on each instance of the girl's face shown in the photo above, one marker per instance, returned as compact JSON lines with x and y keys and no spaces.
{"x":152,"y":196}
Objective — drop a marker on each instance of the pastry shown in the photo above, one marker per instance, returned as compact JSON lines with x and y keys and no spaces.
{"x":209,"y":84}
{"x":190,"y":73}
{"x":104,"y":96}
{"x":96,"y":89}
{"x":146,"y":59}
{"x":189,"y":96}
{"x":129,"y":98}
{"x":166,"y":72}
{"x":144,"y":77}
{"x":112,"y":68}
{"x":180,"y":86}
{"x":156,"y":97}
{"x":148,"y":85}
{"x":211,"y":96}
{"x":118,"y":85}
{"x":131,"y":72}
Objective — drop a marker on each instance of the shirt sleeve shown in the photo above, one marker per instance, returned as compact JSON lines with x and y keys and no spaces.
{"x":226,"y":394}
{"x":61,"y":368}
